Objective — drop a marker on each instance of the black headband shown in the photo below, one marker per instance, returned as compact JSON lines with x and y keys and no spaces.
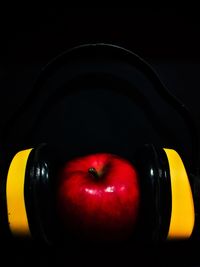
{"x":95,"y":51}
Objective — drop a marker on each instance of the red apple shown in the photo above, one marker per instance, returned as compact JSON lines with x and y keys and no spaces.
{"x":98,"y":196}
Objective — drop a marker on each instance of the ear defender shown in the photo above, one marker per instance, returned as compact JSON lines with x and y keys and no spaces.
{"x":28,"y":200}
{"x":167,"y":208}
{"x":28,"y":184}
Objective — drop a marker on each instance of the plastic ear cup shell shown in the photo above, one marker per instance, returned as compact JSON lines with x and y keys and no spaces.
{"x":153,"y":169}
{"x":15,"y":197}
{"x":12,"y":194}
{"x":183,"y":213}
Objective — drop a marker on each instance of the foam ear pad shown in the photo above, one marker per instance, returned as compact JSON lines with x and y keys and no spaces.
{"x":38,"y":194}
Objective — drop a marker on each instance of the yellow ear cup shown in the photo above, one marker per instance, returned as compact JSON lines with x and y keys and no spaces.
{"x":16,"y":209}
{"x":182,"y":213}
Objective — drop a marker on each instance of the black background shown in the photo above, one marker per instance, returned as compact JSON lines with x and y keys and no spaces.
{"x":167,"y":38}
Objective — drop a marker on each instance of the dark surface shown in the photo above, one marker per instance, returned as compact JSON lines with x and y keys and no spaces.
{"x":168,"y":39}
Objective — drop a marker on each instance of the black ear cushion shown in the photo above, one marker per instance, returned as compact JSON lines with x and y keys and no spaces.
{"x":155,"y":212}
{"x":38,"y":194}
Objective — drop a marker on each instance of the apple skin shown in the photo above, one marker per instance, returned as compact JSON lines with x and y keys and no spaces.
{"x":98,"y":197}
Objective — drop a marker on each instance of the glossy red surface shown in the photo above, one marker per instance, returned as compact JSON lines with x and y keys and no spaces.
{"x":102,"y":206}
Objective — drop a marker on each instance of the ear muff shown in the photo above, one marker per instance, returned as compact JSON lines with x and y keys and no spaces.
{"x":28,"y":194}
{"x":167,"y":208}
{"x":160,"y":169}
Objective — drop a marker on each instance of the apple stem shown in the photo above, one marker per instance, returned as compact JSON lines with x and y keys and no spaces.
{"x":94,"y":172}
